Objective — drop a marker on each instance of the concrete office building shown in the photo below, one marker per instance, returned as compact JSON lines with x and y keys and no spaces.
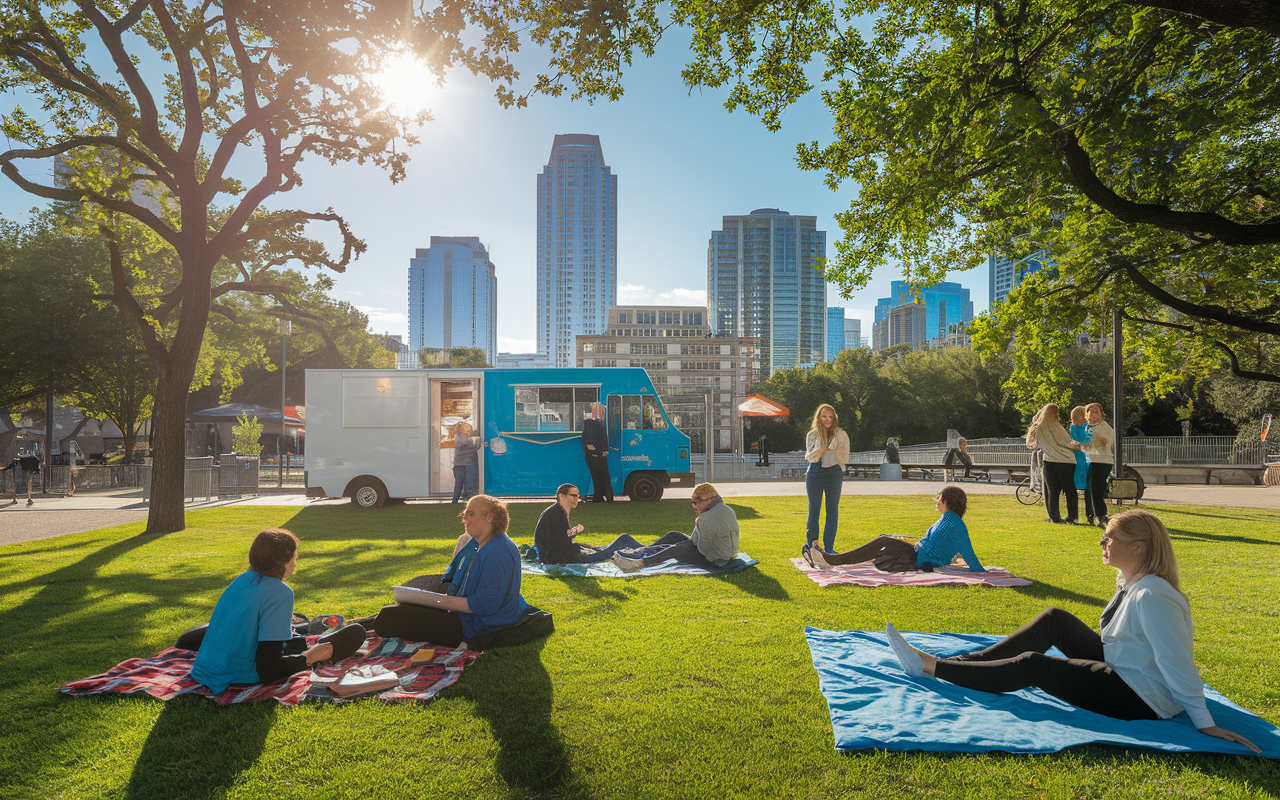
{"x":577,"y":245}
{"x":453,"y":296}
{"x":674,"y":344}
{"x":762,"y":284}
{"x":904,"y":324}
{"x":1007,"y":273}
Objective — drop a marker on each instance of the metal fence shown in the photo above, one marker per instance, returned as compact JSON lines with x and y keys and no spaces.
{"x":237,"y":475}
{"x":1138,"y":450}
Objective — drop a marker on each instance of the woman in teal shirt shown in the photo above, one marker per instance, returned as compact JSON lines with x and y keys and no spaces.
{"x":482,"y":585}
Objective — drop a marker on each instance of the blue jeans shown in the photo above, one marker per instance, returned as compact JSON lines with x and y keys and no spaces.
{"x":817,"y":480}
{"x":464,"y":475}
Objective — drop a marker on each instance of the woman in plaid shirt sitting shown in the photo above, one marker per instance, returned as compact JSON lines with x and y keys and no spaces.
{"x":947,"y":538}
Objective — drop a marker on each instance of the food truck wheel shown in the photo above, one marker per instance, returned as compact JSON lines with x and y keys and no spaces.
{"x":367,"y":493}
{"x":645,"y":487}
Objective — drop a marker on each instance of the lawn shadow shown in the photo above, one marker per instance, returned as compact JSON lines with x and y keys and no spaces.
{"x":510,"y":688}
{"x":1198,"y":536}
{"x":198,"y":749}
{"x":590,"y":588}
{"x":743,"y":512}
{"x":752,"y":581}
{"x":1048,"y":591}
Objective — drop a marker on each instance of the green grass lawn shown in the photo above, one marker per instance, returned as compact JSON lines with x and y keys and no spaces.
{"x":672,"y":686}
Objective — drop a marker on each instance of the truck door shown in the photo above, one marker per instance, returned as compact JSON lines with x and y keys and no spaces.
{"x":455,"y":413}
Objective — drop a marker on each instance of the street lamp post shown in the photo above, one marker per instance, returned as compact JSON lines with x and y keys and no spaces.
{"x":285,"y":328}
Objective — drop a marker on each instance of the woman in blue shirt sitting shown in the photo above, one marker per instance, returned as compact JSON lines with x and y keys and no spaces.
{"x":482,"y":585}
{"x":250,"y":637}
{"x":947,"y":538}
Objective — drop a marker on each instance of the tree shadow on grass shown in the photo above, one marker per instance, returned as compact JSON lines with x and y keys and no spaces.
{"x":591,"y":589}
{"x":1047,"y":591}
{"x":1200,"y":536}
{"x":744,"y":512}
{"x":752,"y":581}
{"x":510,"y":688}
{"x":198,"y":750}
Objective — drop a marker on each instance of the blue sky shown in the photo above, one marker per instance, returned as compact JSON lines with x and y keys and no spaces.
{"x":682,"y":160}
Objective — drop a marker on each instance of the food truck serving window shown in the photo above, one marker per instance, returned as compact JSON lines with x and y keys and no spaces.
{"x":554,"y":408}
{"x":381,"y":402}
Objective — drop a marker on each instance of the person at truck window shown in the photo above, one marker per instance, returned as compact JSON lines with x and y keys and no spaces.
{"x":827,"y":451}
{"x":553,"y":538}
{"x":595,"y":449}
{"x":481,"y":587}
{"x":466,"y":461}
{"x":714,"y":542}
{"x":250,"y":638}
{"x":1137,"y":666}
{"x":945,"y":539}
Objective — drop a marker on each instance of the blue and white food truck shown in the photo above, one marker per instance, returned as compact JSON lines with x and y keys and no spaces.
{"x":377,"y":434}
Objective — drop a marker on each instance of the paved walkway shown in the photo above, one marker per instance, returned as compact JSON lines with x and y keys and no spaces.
{"x":56,"y":516}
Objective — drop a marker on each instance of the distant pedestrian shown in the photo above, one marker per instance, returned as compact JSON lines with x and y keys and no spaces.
{"x":466,"y":462}
{"x":827,"y":451}
{"x":891,"y":452}
{"x":1046,"y":432}
{"x":1102,"y":459}
{"x":595,"y":449}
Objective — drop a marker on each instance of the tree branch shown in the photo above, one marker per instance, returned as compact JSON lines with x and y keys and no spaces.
{"x":1208,"y":312}
{"x":1262,"y":15}
{"x":1244,"y":373}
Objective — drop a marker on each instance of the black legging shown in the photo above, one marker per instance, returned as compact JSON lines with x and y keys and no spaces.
{"x":601,"y":487}
{"x":419,"y":624}
{"x":277,"y":660}
{"x":1095,"y":496}
{"x":1018,"y":661}
{"x":881,"y":545}
{"x":1060,"y":477}
{"x":624,"y":542}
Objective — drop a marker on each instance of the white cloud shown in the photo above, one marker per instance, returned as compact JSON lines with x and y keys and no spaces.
{"x":630,"y":294}
{"x":507,"y":344}
{"x":384,"y":320}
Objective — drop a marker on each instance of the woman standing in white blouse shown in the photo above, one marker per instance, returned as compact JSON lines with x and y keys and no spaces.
{"x":1046,"y":432}
{"x":827,"y":451}
{"x":1140,"y":667}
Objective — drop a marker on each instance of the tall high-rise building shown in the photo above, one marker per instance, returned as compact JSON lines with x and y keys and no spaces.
{"x":1007,"y":273}
{"x":762,"y":284}
{"x":945,"y":305}
{"x":852,"y":333}
{"x":453,"y":296}
{"x":904,"y":324}
{"x":835,"y":332}
{"x":577,"y":245}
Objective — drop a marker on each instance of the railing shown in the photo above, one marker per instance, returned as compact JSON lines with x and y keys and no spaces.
{"x":1138,"y":450}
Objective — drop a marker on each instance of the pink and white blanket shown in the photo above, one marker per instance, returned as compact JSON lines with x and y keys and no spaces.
{"x":866,"y":574}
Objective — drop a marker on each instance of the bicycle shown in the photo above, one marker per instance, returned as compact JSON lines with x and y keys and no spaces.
{"x":1026,"y":494}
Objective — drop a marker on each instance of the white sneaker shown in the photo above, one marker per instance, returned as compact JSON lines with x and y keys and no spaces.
{"x":627,"y":564}
{"x":911,"y":662}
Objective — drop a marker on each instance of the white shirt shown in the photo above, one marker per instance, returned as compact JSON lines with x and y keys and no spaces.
{"x":1148,"y":642}
{"x":1102,"y":449}
{"x":837,"y":454}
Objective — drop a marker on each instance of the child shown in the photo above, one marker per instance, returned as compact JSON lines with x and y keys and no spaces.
{"x":945,"y":539}
{"x":1080,"y":432}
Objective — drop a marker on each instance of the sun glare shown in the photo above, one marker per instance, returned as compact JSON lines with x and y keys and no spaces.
{"x":406,"y":84}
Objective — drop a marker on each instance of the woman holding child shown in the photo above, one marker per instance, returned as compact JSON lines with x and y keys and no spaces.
{"x":481,"y":589}
{"x":1046,"y":432}
{"x":1138,"y":668}
{"x":945,"y":539}
{"x":827,"y":451}
{"x":250,"y":637}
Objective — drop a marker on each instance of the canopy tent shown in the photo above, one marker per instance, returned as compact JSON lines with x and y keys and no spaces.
{"x":757,"y":406}
{"x":232,"y":411}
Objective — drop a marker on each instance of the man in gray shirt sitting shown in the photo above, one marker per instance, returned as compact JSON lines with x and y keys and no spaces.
{"x":713,"y":544}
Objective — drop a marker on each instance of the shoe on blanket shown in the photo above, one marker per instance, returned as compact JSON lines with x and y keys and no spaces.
{"x":911,"y":662}
{"x":818,"y":555}
{"x":806,"y":554}
{"x":627,"y":564}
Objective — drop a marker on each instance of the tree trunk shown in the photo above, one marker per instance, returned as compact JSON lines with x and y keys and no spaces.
{"x":130,"y":433}
{"x":168,"y":463}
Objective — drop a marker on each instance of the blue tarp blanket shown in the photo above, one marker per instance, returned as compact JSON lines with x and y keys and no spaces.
{"x":874,"y":704}
{"x":608,"y":569}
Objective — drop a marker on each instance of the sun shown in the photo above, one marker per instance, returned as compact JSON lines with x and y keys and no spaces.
{"x":406,"y":84}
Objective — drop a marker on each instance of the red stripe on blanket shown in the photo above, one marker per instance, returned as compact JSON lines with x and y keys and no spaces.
{"x":168,"y":675}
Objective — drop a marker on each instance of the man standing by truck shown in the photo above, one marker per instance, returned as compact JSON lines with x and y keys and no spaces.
{"x":595,"y":448}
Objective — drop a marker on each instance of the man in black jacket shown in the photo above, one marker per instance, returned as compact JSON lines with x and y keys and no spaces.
{"x":595,"y":447}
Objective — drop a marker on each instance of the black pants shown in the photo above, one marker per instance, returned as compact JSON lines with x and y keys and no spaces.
{"x":1018,"y":661}
{"x":601,"y":488}
{"x":881,"y":545}
{"x":346,"y":641}
{"x":674,"y":545}
{"x":419,"y":624}
{"x":1059,"y":477}
{"x":592,"y":555}
{"x":1095,"y":496}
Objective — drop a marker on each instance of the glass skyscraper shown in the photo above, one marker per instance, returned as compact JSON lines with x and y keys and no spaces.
{"x":577,"y":245}
{"x":453,"y":296}
{"x":762,"y":283}
{"x":835,"y":332}
{"x":945,"y":304}
{"x":1007,"y":273}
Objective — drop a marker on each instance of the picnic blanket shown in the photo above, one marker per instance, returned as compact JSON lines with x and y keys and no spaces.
{"x":866,"y":574}
{"x":608,"y":569}
{"x":874,"y":704}
{"x":168,"y":675}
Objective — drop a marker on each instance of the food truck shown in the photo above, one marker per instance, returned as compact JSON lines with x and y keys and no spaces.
{"x":379,"y":434}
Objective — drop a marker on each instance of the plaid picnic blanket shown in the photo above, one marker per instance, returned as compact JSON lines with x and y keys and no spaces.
{"x":168,"y":675}
{"x":866,"y":574}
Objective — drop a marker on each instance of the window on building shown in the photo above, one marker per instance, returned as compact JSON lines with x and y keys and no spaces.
{"x":645,"y":318}
{"x":623,"y":318}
